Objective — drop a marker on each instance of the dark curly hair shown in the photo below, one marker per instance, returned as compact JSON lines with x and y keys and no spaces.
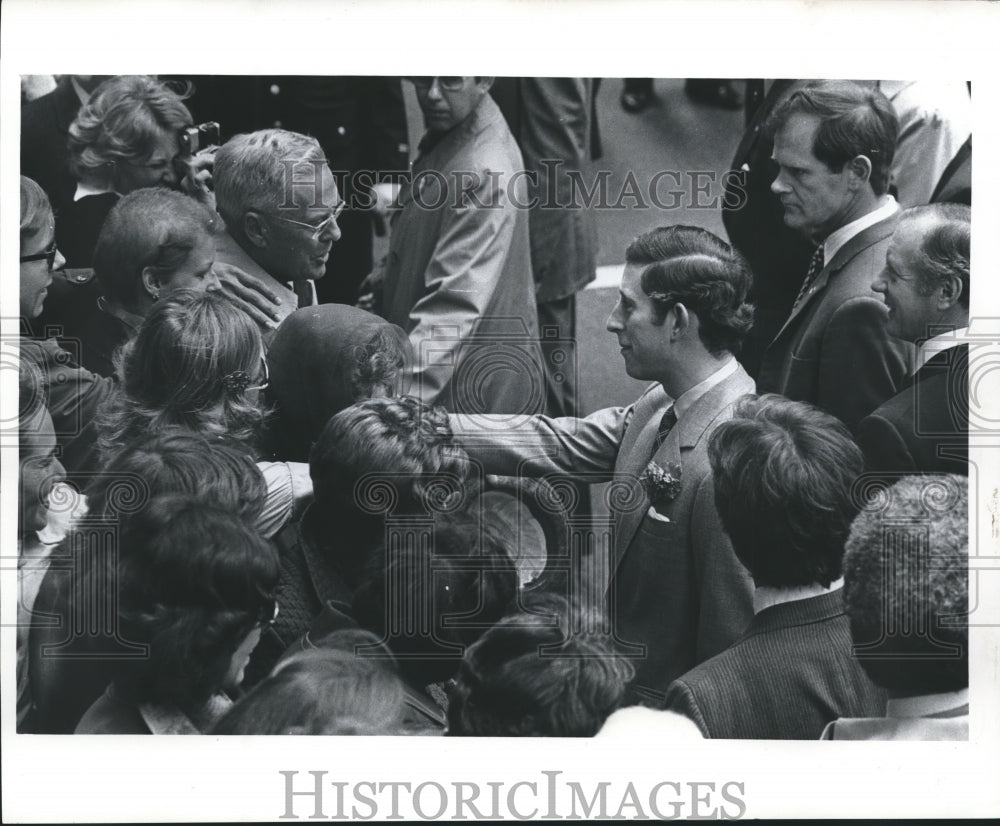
{"x":545,"y":671}
{"x":398,"y":442}
{"x":783,"y":473}
{"x":691,"y":266}
{"x":194,"y":581}
{"x":176,"y":460}
{"x":449,"y":584}
{"x":906,"y":585}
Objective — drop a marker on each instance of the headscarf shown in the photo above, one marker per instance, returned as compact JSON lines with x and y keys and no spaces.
{"x":313,"y":367}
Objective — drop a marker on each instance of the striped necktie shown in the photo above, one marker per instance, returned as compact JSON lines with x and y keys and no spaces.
{"x":666,"y":425}
{"x":815,"y":267}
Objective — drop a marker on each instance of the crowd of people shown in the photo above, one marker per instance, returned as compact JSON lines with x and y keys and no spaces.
{"x":254,"y":504}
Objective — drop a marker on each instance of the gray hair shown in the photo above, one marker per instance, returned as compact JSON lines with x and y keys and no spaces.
{"x":945,"y":247}
{"x":251,"y":171}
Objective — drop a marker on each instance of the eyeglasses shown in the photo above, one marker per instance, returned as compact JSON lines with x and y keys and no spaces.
{"x":320,"y":228}
{"x":239,"y":381}
{"x":448,"y":84}
{"x":268,"y":614}
{"x":48,"y":255}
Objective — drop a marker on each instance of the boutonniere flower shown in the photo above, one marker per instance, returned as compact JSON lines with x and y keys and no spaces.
{"x":662,"y":484}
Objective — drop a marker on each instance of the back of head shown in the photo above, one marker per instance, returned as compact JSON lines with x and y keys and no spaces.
{"x":693,"y":267}
{"x":182,"y":369}
{"x":194,"y":582}
{"x":328,"y":690}
{"x":326,"y":358}
{"x":783,"y":473}
{"x":854,"y":120}
{"x":906,"y":585}
{"x":36,"y":212}
{"x":154,"y":227}
{"x":430,"y":593}
{"x":120,"y":124}
{"x":399,"y":448}
{"x":945,"y":250}
{"x":547,"y":671}
{"x":259,"y":171}
{"x":177,"y":461}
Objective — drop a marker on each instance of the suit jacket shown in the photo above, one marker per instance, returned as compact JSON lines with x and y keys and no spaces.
{"x":834,"y":351}
{"x":924,"y":428}
{"x":791,"y":673}
{"x":677,"y":593}
{"x":755,"y":223}
{"x":457,"y":277}
{"x":228,"y":251}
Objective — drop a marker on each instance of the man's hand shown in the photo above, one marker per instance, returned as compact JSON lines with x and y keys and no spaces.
{"x":250,"y":294}
{"x":197,"y":180}
{"x":385,"y":195}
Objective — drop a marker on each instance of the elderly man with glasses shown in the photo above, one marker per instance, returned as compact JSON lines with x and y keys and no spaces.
{"x":457,"y":277}
{"x":280,"y":204}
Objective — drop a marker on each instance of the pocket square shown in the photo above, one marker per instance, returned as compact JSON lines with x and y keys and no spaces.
{"x":653,"y":513}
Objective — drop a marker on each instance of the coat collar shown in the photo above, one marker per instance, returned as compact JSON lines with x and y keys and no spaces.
{"x":860,"y":242}
{"x":685,"y":435}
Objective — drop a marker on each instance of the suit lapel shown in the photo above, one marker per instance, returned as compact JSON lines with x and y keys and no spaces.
{"x":864,"y":239}
{"x":685,"y":435}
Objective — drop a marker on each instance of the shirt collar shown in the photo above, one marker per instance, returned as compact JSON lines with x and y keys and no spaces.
{"x":925,"y":705}
{"x":83,"y":190}
{"x":938,"y":344}
{"x":766,"y":596}
{"x":692,"y":394}
{"x":836,"y":239}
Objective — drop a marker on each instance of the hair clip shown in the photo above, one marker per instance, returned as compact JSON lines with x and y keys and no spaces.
{"x":237,"y":381}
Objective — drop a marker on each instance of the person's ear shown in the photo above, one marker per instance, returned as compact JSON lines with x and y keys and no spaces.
{"x":949,"y":292}
{"x":255,"y":229}
{"x":680,"y":320}
{"x":860,"y":168}
{"x":151,"y":283}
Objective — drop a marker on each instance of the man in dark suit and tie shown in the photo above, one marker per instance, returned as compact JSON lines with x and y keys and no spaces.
{"x":677,"y":595}
{"x":783,"y":474}
{"x":925,"y":285}
{"x":833,"y":144}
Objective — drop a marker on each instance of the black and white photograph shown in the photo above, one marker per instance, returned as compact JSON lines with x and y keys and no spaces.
{"x":371,"y":422}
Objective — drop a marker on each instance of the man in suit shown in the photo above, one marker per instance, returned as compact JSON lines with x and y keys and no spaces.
{"x":833,"y":144}
{"x":457,"y":276}
{"x":906,"y":590}
{"x":783,"y":473}
{"x":925,"y":285}
{"x":677,"y":595}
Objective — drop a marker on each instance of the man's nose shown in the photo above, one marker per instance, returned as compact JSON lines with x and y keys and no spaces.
{"x":434,"y":90}
{"x":212,"y":282}
{"x":331,"y":233}
{"x":879,"y":285}
{"x":778,"y":185}
{"x":613,"y":324}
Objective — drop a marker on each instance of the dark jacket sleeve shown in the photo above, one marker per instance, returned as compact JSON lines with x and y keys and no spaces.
{"x":883,"y":446}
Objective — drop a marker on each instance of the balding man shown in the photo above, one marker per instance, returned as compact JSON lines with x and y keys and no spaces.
{"x":925,"y":285}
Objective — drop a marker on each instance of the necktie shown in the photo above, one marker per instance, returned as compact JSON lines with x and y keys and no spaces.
{"x":815,"y":266}
{"x":666,"y":425}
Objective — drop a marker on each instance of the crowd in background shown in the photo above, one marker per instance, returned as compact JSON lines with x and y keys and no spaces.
{"x":271,"y":485}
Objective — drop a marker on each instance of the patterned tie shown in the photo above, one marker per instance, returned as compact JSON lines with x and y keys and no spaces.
{"x":815,"y":266}
{"x":666,"y":425}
